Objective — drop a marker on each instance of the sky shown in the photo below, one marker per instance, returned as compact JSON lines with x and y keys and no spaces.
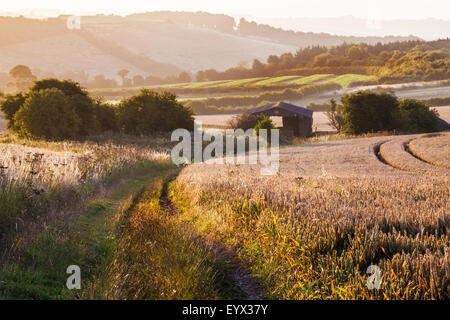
{"x":383,"y":9}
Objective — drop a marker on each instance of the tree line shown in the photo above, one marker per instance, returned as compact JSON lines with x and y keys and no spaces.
{"x":412,"y":60}
{"x":55,"y":109}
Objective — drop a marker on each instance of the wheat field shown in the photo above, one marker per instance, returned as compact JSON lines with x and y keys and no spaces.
{"x":334,"y":209}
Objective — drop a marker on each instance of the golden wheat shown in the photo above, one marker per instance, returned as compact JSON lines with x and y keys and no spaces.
{"x":333,"y":210}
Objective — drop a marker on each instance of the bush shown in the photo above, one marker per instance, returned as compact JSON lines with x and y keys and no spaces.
{"x":68,"y":87}
{"x":10,"y":106}
{"x":47,"y":114}
{"x":106,"y":115}
{"x":335,"y":115}
{"x":366,"y":111}
{"x":92,"y":115}
{"x":264,"y":123}
{"x":245,"y":121}
{"x":416,"y":116}
{"x":150,"y":112}
{"x":80,"y":101}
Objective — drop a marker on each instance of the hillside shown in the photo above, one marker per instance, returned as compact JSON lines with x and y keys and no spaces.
{"x":51,"y":47}
{"x":187,"y":46}
{"x":159,"y":44}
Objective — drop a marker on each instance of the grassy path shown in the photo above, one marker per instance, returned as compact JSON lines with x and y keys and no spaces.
{"x":34,"y":266}
{"x":159,"y":255}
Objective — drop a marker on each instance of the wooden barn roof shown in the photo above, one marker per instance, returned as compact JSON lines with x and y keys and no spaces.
{"x":290,"y":108}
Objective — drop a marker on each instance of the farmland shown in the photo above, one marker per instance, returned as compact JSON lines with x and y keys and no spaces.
{"x":335,"y":208}
{"x":230,"y":87}
{"x":209,"y":158}
{"x":337,"y":205}
{"x":234,"y":96}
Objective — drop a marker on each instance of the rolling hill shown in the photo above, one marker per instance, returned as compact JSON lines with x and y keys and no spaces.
{"x":158,"y":43}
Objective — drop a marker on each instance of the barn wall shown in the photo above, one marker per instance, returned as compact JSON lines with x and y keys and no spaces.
{"x":300,"y":126}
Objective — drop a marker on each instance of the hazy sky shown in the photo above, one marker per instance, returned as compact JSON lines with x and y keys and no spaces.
{"x":384,"y":9}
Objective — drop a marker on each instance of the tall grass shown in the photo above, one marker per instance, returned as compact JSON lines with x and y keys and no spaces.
{"x":33,"y":180}
{"x":54,"y":206}
{"x":312,"y":235}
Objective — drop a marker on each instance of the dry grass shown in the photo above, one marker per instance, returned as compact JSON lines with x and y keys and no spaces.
{"x":433,"y":148}
{"x":35,"y":180}
{"x":334,"y":209}
{"x":46,"y":168}
{"x":56,"y":200}
{"x":394,"y":153}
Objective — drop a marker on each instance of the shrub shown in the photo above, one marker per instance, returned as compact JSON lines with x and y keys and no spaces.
{"x":245,"y":121}
{"x":366,"y":111}
{"x":80,"y":101}
{"x":264,"y":123}
{"x":10,"y":106}
{"x":68,"y":87}
{"x":335,"y":115}
{"x":416,"y":116}
{"x":150,"y":112}
{"x":47,"y":114}
{"x":106,"y":115}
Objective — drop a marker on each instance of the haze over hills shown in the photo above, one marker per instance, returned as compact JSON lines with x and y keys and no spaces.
{"x":157,"y":43}
{"x":427,"y":29}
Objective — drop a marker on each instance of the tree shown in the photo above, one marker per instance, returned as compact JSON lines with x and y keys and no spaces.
{"x":138,"y":80}
{"x":416,"y":116}
{"x":366,"y":111}
{"x":100,"y":82}
{"x":47,"y":114}
{"x":10,"y":105}
{"x":150,"y":112}
{"x":265,"y":123}
{"x":68,"y":87}
{"x":21,"y":72}
{"x":200,"y":76}
{"x":355,"y":53}
{"x":184,"y":77}
{"x":123,"y":74}
{"x":244,"y":121}
{"x":23,"y":77}
{"x":335,"y":115}
{"x":257,"y":67}
{"x":106,"y":115}
{"x":212,"y":74}
{"x":79,"y":100}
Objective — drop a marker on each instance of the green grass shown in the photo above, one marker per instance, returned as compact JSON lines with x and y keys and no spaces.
{"x":345,"y":79}
{"x":277,"y":80}
{"x":205,"y":84}
{"x":237,"y":86}
{"x":158,"y":255}
{"x":235,"y":83}
{"x":312,"y":79}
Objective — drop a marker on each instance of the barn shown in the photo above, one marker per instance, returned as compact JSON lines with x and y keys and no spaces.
{"x":296,"y":119}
